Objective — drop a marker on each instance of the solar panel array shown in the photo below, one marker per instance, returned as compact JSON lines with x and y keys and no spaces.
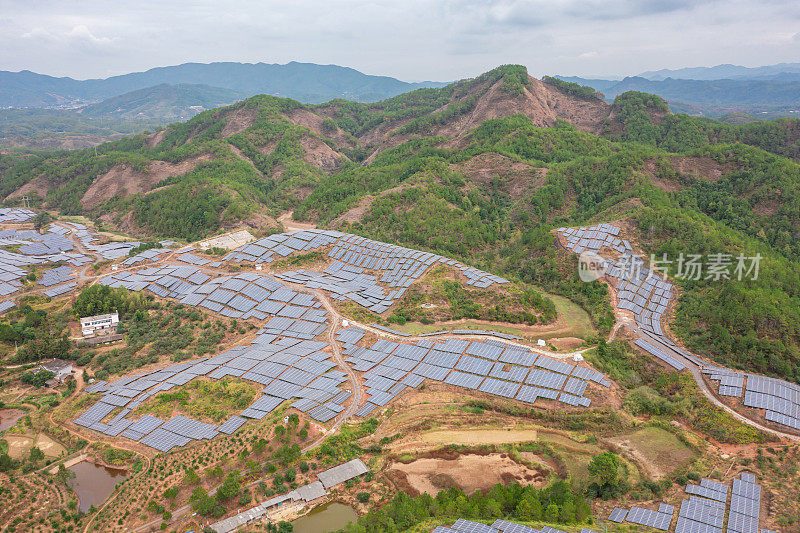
{"x":55,"y":276}
{"x":660,"y":519}
{"x":283,"y":357}
{"x":618,"y":515}
{"x":15,"y":215}
{"x":243,"y":296}
{"x":639,"y":291}
{"x":648,"y":297}
{"x":34,"y":248}
{"x":779,"y":398}
{"x":288,"y":368}
{"x":498,"y":526}
{"x":706,"y":510}
{"x":488,"y":366}
{"x":347,"y":278}
{"x":146,"y":256}
{"x":661,"y":354}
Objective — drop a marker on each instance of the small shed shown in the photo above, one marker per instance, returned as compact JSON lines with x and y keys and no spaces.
{"x":61,"y":369}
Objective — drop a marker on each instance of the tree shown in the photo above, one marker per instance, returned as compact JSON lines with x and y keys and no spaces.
{"x":551,"y":513}
{"x":36,"y":378}
{"x":205,"y":504}
{"x":191,"y":477}
{"x":7,"y":463}
{"x":36,"y":455}
{"x":529,"y":508}
{"x":363,"y":497}
{"x":567,"y":515}
{"x":230,"y":487}
{"x":41,"y":220}
{"x":605,"y":467}
{"x":102,"y":299}
{"x":287,"y":453}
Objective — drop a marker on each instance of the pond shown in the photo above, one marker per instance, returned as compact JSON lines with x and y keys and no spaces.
{"x":324,"y":518}
{"x":9,"y":417}
{"x":94,"y":483}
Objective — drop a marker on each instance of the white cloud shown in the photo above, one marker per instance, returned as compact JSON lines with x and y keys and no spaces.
{"x":414,"y":39}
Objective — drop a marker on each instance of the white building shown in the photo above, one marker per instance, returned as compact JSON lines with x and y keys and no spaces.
{"x":100,"y":324}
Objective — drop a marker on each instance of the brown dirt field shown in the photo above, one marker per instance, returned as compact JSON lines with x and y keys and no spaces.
{"x":293,"y":225}
{"x":243,"y":157}
{"x":515,"y":177}
{"x":268,"y":148}
{"x":665,"y":185}
{"x":123,"y":179}
{"x":19,"y":445}
{"x":479,"y":436}
{"x":356,"y":214}
{"x":320,"y":155}
{"x":238,"y":121}
{"x":470,"y":472}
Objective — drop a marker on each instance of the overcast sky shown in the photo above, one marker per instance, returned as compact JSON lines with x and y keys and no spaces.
{"x":409,"y":39}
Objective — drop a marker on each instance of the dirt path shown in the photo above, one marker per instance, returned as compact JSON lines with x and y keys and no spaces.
{"x":697,"y":374}
{"x":293,"y":225}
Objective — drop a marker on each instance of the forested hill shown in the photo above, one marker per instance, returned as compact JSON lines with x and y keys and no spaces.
{"x":482,"y":170}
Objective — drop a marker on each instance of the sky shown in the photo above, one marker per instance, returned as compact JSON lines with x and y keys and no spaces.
{"x":412,"y":40}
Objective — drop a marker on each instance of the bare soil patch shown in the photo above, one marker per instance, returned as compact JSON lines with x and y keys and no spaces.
{"x":656,"y":451}
{"x":514,"y":177}
{"x":38,"y":186}
{"x":293,"y":225}
{"x":154,"y":139}
{"x":479,"y":436}
{"x":122,"y":179}
{"x":312,"y":121}
{"x":702,"y":166}
{"x":320,"y":155}
{"x":20,"y":445}
{"x":470,"y":472}
{"x":238,"y":121}
{"x":566,"y":344}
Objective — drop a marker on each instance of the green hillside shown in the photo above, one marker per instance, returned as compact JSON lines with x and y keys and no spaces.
{"x":420,"y":169}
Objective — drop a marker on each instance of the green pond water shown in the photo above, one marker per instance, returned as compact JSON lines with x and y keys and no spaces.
{"x":325,"y":518}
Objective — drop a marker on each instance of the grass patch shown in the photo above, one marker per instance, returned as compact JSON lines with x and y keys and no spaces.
{"x":202,"y":399}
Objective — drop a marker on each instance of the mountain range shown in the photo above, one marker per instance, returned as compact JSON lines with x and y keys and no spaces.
{"x":785,"y":71}
{"x":305,"y":82}
{"x":762,"y":98}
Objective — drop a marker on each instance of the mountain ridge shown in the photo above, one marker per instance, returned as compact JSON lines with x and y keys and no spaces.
{"x":308,"y":82}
